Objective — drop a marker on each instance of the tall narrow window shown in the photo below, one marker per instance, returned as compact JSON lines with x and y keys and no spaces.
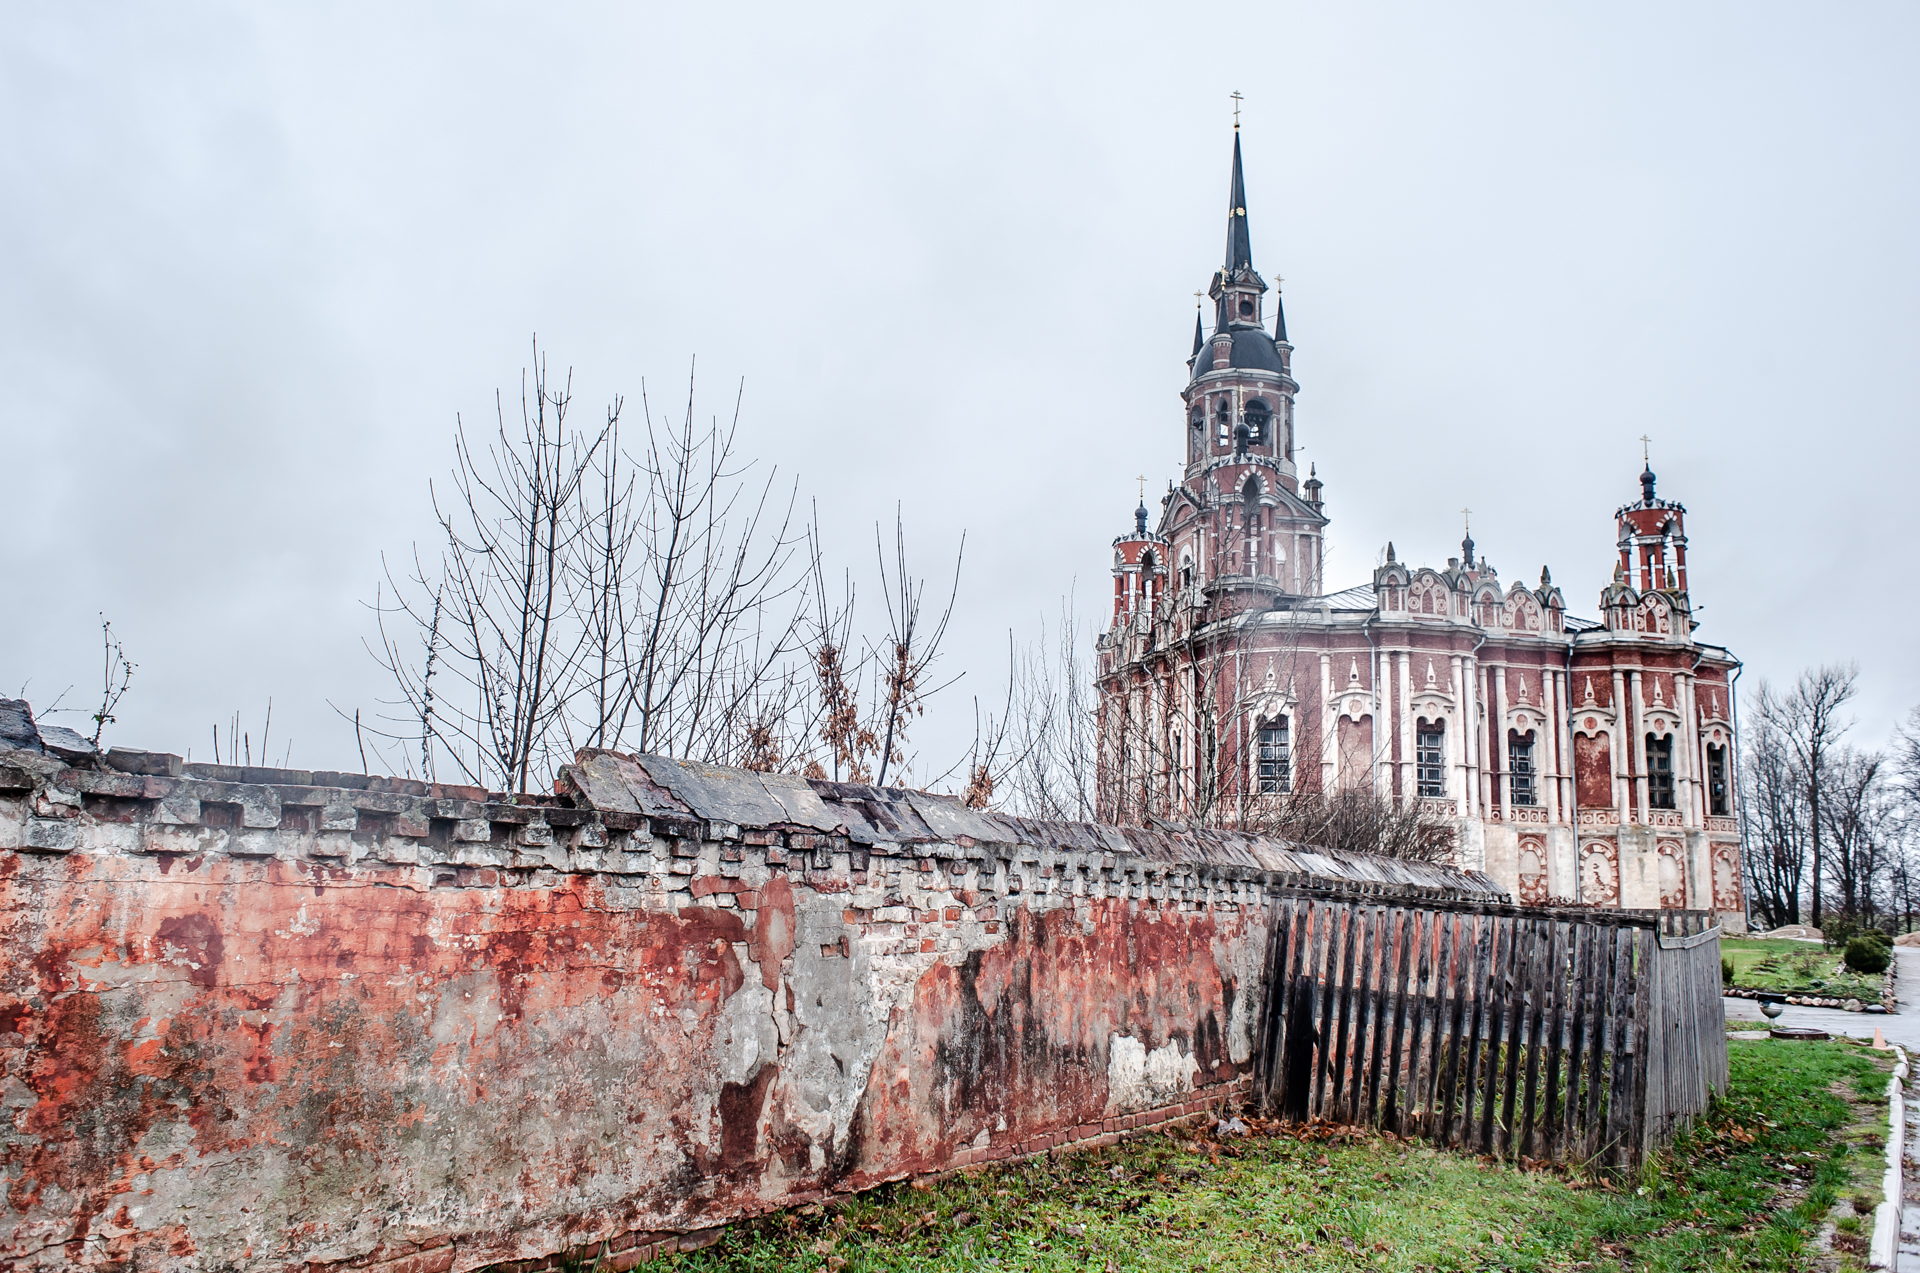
{"x":1659,"y":772}
{"x":1520,"y":767}
{"x":1430,"y":758}
{"x":1716,"y":780}
{"x":1275,"y":769}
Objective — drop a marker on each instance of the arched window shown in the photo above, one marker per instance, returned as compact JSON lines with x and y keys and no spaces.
{"x":1259,"y":421}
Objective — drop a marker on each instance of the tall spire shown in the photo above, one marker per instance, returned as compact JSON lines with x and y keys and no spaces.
{"x":1239,"y":248}
{"x":1279,"y":317}
{"x":1199,"y":337}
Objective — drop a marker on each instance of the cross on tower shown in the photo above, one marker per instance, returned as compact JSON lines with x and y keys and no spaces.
{"x":1644,"y":441}
{"x":1142,"y":479}
{"x":1235,"y":95}
{"x":1466,"y":517}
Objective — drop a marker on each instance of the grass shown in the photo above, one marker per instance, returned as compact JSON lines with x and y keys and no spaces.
{"x":1793,"y":967}
{"x":1797,"y":1138}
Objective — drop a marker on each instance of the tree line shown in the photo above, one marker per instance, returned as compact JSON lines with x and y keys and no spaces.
{"x":1831,"y":830}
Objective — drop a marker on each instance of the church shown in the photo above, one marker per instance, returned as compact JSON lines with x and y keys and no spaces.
{"x":1576,"y":761}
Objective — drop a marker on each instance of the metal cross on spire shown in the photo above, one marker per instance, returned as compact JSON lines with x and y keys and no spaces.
{"x":1645,"y":441}
{"x":1237,"y":99}
{"x":1142,"y":479}
{"x":1466,"y":518}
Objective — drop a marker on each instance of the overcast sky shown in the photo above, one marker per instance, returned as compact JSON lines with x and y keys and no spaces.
{"x":254,"y":259}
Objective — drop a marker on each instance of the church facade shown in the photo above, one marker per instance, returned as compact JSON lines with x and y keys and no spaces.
{"x":1576,"y":761}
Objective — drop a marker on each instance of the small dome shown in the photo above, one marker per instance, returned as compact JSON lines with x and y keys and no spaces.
{"x":1253,"y":348}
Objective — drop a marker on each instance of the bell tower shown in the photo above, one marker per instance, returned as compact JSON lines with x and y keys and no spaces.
{"x":1254,"y":534}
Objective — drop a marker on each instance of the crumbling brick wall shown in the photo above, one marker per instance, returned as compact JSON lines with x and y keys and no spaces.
{"x":259,"y":1019}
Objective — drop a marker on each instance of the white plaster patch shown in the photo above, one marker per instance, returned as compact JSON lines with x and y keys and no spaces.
{"x":743,"y":1033}
{"x":1139,"y":1079}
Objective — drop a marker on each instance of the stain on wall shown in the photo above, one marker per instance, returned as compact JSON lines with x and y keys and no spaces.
{"x":669,"y":998}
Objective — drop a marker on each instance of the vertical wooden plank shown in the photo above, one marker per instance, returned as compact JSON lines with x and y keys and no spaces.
{"x":1328,"y":951}
{"x":1558,"y":974}
{"x":1644,"y":1041}
{"x":1622,"y":1106}
{"x":1402,"y":1007}
{"x":1388,"y":946}
{"x":1487,"y":1081}
{"x":1600,"y":1027}
{"x":1270,"y":988}
{"x":1298,"y":914}
{"x":1343,"y":1029}
{"x":1516,"y":1014}
{"x":1458,"y":1084}
{"x":1449,"y":1059}
{"x":1297,"y":1059}
{"x":1593,"y":1103}
{"x":1537,"y":990}
{"x":1363,"y":1017}
{"x":1486,"y":972}
{"x":1443,"y":990}
{"x":1579,"y":936}
{"x":1409,"y":1099}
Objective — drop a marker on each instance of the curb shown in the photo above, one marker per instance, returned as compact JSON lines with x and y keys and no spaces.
{"x":1886,"y":1216}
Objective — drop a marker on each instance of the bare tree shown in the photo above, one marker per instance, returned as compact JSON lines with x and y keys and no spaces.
{"x":1773,"y":821}
{"x":1858,"y":814}
{"x":1808,"y":720}
{"x":659,"y":596}
{"x":496,"y":608}
{"x":1055,"y":725}
{"x":912,"y":645}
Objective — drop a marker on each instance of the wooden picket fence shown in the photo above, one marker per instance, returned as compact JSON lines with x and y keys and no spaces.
{"x":1566,"y":1035}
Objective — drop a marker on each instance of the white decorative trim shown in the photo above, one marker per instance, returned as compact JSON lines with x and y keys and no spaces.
{"x":1882,"y":1247}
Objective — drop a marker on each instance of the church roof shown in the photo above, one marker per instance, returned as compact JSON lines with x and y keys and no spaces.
{"x":1357,"y":598}
{"x":1252,"y":347}
{"x":1239,"y":245}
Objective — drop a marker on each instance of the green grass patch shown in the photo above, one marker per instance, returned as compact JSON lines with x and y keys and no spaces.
{"x":1797,"y":968}
{"x":1798,"y":1138}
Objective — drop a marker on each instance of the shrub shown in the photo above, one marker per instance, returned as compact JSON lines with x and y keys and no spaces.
{"x":1726,"y":971}
{"x":1878,"y":937}
{"x":1867,"y":955}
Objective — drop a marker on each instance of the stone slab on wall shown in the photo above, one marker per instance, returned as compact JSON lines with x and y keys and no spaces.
{"x":253,"y":1019}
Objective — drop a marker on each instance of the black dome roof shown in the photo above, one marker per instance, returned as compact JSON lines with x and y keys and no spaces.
{"x":1252,"y":348}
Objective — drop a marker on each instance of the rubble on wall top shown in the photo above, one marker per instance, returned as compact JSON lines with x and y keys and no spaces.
{"x":663,"y":797}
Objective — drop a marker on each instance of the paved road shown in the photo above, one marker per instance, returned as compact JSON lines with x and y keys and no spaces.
{"x":1901,"y":1026}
